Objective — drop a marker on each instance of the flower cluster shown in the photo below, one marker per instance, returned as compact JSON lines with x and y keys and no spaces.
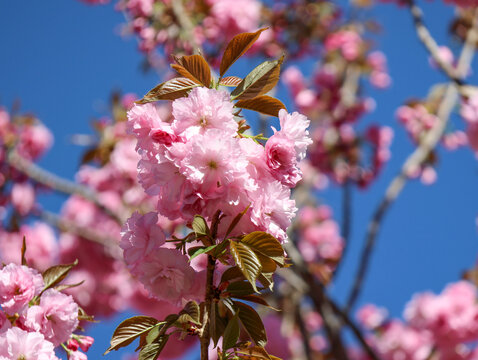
{"x":339,"y":151}
{"x":319,"y":239}
{"x":29,"y":138}
{"x":444,"y":324}
{"x":198,"y":164}
{"x":35,"y":319}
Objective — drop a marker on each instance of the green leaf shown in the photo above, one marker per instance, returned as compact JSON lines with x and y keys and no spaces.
{"x":230,"y":81}
{"x":190,"y":313}
{"x":169,"y":90}
{"x":252,"y":322}
{"x":231,"y":333}
{"x":24,"y":250}
{"x":236,"y":48}
{"x":199,"y":226}
{"x":152,"y":351}
{"x":195,"y":68}
{"x":55,"y":274}
{"x":130,"y":329}
{"x":247,"y":261}
{"x":201,"y":250}
{"x":259,"y":81}
{"x":266,"y":244}
{"x":264,"y":104}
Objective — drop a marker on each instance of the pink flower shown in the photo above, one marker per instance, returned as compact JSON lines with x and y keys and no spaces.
{"x":77,"y":355}
{"x":168,"y":276}
{"x":451,"y":316}
{"x":273,"y":209}
{"x":85,"y":342}
{"x":56,"y":317}
{"x":23,"y":197}
{"x":245,"y":17}
{"x":142,"y":119}
{"x":204,"y":109}
{"x":4,"y":322}
{"x":371,"y":316}
{"x":445,"y":54}
{"x":42,"y":248}
{"x":294,"y":127}
{"x":139,"y":236}
{"x":214,"y":163}
{"x":469,"y":109}
{"x":34,"y":140}
{"x":282,"y":159}
{"x":18,"y":285}
{"x":19,"y":344}
{"x":349,"y":43}
{"x":397,"y":342}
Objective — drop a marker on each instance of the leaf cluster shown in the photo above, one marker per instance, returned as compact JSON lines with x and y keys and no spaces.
{"x":194,"y":71}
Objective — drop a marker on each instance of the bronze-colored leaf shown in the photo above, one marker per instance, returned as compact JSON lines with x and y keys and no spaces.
{"x":247,"y":261}
{"x":254,"y":353}
{"x":259,"y":81}
{"x":55,"y":274}
{"x":129,"y":330}
{"x":264,"y":104}
{"x":236,"y":220}
{"x":252,"y":322}
{"x":265,"y":244}
{"x":239,"y":288}
{"x":268,"y":265}
{"x":236,"y":48}
{"x":230,"y":81}
{"x":232,"y":273}
{"x":194,"y":67}
{"x":169,"y":90}
{"x":255,"y":299}
{"x":266,"y":280}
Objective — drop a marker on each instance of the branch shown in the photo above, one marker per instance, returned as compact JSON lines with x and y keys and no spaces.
{"x":430,"y":44}
{"x":356,"y":331}
{"x":414,"y":161}
{"x":185,"y":24}
{"x":87,"y":233}
{"x":57,"y":183}
{"x":331,"y":324}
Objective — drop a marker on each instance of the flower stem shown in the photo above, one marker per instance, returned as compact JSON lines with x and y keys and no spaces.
{"x":205,"y":335}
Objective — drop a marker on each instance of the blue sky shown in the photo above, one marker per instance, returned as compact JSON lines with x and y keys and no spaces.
{"x":62,"y":58}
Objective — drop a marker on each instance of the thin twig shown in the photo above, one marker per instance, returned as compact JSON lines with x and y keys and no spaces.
{"x":52,"y":181}
{"x":304,"y":332}
{"x":185,"y":24}
{"x":332,"y":326}
{"x":356,"y":331}
{"x":430,"y":44}
{"x":414,"y":161}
